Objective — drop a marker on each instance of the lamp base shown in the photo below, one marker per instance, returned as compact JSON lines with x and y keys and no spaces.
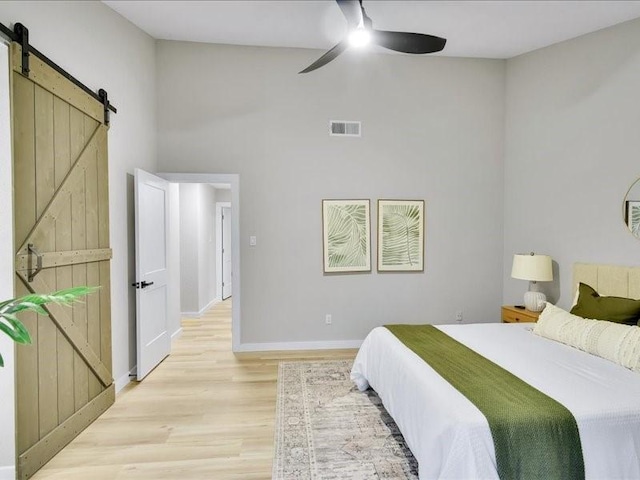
{"x":535,"y":301}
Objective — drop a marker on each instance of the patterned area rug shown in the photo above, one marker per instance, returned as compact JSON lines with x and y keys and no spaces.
{"x":327,"y":430}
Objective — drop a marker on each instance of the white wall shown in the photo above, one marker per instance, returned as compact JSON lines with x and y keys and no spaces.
{"x":7,"y":384}
{"x":634,"y":191}
{"x":207,"y":246}
{"x":173,"y":300}
{"x":189,"y":207}
{"x":571,"y":154}
{"x":103,"y":50}
{"x":223,"y":195}
{"x":197,"y":249}
{"x":432,"y":129}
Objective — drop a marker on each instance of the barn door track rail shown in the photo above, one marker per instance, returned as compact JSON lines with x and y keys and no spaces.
{"x":20,"y":35}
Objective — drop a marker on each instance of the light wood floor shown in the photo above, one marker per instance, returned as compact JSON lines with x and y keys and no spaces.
{"x":203,"y":414}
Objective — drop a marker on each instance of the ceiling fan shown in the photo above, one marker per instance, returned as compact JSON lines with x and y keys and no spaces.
{"x":362,"y":32}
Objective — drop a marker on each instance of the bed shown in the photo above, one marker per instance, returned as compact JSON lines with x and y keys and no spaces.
{"x":451,"y":438}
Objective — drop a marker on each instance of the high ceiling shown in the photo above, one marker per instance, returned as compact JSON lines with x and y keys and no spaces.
{"x":485,"y":29}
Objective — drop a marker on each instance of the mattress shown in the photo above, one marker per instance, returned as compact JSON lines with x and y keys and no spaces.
{"x":450,"y":437}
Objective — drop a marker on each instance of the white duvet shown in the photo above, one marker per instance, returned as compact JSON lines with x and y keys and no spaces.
{"x":450,"y":437}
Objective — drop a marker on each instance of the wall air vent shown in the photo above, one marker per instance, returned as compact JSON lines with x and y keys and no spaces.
{"x":343,"y":128}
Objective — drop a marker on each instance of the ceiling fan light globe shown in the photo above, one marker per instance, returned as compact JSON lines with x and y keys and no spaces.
{"x":359,"y":37}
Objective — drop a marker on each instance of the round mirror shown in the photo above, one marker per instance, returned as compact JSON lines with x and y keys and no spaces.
{"x":631,"y":209}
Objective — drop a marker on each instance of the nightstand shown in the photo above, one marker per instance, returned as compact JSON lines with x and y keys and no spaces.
{"x":511,"y":314}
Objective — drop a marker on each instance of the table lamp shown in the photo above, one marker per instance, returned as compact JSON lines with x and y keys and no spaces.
{"x":535,"y":268}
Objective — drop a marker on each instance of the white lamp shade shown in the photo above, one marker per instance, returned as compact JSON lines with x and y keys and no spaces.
{"x":535,"y":268}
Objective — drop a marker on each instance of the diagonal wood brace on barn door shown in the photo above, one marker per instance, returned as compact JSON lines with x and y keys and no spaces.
{"x":24,"y":261}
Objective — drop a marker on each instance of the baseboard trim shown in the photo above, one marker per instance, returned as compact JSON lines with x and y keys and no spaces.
{"x":319,"y":345}
{"x":202,"y":310}
{"x":8,"y":473}
{"x":124,"y":380}
{"x":176,"y":335}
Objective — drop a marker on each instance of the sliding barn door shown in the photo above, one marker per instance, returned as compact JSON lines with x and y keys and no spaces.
{"x":64,"y":379}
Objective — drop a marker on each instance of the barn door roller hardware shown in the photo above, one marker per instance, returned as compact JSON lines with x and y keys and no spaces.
{"x":20,"y":35}
{"x":105,"y":103}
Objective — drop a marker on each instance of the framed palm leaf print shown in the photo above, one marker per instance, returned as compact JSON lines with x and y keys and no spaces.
{"x":346,"y":231}
{"x":400,"y":235}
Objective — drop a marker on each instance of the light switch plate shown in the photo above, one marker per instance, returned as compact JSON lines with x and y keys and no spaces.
{"x":253,"y":240}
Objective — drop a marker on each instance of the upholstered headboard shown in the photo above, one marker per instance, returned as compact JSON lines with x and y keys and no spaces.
{"x":608,"y":279}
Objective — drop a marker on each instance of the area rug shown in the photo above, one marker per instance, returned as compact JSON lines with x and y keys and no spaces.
{"x":328,"y":430}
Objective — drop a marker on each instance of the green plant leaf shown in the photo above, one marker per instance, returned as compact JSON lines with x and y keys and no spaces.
{"x":1,"y":361}
{"x":71,"y":295}
{"x":15,"y":329}
{"x":20,"y":328}
{"x":26,"y":305}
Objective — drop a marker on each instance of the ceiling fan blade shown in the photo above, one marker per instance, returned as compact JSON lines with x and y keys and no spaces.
{"x":327,"y":57}
{"x":352,"y":11}
{"x":407,"y":42}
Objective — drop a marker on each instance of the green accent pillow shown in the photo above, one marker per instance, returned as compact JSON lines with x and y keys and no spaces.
{"x":614,"y":309}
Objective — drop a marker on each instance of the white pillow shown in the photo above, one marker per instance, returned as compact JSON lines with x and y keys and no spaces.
{"x":613,"y":341}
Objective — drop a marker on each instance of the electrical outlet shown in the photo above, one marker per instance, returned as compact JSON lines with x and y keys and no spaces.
{"x":459,"y":316}
{"x":327,"y":319}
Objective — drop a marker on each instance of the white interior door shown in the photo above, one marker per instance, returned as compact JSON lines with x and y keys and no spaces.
{"x":227,"y":271}
{"x":151,"y":224}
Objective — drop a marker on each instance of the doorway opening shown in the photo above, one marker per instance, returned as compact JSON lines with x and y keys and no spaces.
{"x":224,"y":251}
{"x":231,"y":183}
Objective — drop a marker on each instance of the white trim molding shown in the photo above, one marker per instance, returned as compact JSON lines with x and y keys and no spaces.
{"x":201,"y":312}
{"x":7,"y":473}
{"x":125,"y":379}
{"x":176,"y":335}
{"x":219,"y":207}
{"x":318,"y":345}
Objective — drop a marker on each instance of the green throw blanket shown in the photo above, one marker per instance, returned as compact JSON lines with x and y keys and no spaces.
{"x":534,"y":436}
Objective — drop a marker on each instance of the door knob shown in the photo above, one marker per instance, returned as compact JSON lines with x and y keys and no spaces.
{"x":145,"y":284}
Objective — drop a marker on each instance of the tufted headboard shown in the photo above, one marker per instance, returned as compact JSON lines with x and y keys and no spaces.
{"x":608,"y":279}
